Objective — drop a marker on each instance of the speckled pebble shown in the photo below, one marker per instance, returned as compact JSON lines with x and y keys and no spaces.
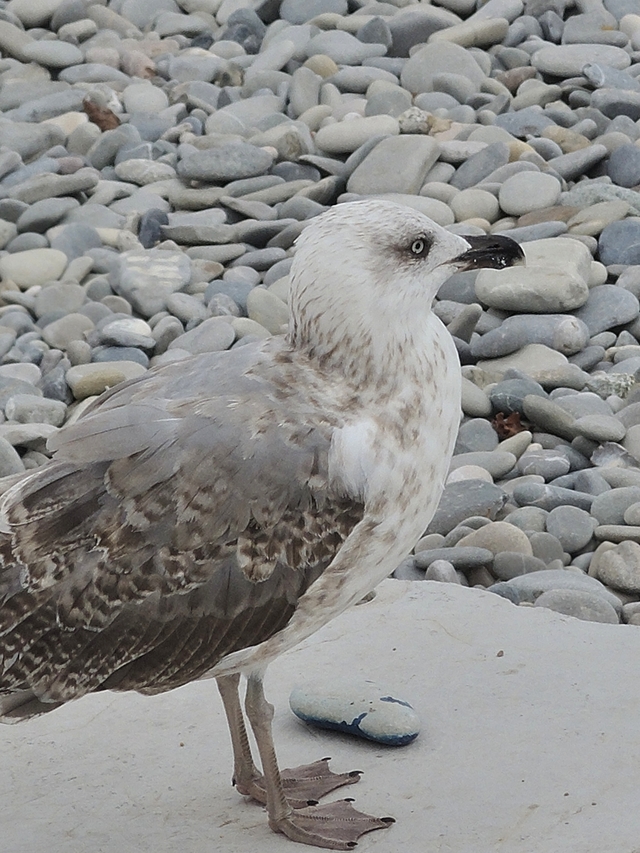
{"x":361,"y":709}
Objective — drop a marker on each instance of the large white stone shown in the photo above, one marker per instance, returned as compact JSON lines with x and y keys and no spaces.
{"x":343,"y":137}
{"x":554,"y":279}
{"x":531,"y":290}
{"x":33,"y":267}
{"x":398,"y":164}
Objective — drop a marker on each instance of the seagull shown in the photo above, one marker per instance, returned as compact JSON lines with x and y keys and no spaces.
{"x":204,"y":518}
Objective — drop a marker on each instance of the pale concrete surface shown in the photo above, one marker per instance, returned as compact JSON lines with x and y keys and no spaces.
{"x":530,"y":742}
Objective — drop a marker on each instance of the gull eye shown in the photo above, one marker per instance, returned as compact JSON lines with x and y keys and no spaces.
{"x":419,"y":247}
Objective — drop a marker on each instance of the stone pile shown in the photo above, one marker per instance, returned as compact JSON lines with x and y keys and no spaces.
{"x":158,"y":159}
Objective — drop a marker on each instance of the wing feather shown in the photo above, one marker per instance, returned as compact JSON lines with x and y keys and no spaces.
{"x":181,"y":520}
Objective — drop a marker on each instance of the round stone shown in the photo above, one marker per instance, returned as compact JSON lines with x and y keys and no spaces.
{"x":265,"y":308}
{"x":342,"y":47}
{"x":213,"y":335}
{"x":632,"y":515}
{"x":441,"y":571}
{"x":227,"y":162}
{"x":619,"y":567}
{"x":531,"y":586}
{"x":572,"y":527}
{"x":396,"y":164}
{"x":464,"y":499}
{"x":600,"y":428}
{"x":497,"y":463}
{"x":436,"y":58}
{"x":10,"y":461}
{"x":568,"y":60}
{"x":346,"y":136}
{"x":529,"y":518}
{"x":508,"y":396}
{"x":525,"y":192}
{"x":580,"y":604}
{"x":30,"y":408}
{"x":510,"y":564}
{"x":546,"y":463}
{"x":475,"y":203}
{"x":144,"y":98}
{"x":532,"y":289}
{"x":560,"y":332}
{"x":608,"y":306}
{"x":71,"y":327}
{"x":498,"y":536}
{"x":53,"y":53}
{"x":33,"y":267}
{"x":619,"y":242}
{"x":87,"y":380}
{"x":610,"y":507}
{"x":476,"y":434}
{"x":623,"y":166}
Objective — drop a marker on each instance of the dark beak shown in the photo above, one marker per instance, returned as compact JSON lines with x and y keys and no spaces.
{"x":490,"y":252}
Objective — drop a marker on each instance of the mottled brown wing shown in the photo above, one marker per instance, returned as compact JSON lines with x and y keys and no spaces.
{"x":182,"y":519}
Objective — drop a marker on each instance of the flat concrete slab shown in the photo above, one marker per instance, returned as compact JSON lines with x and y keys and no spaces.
{"x":530,"y":742}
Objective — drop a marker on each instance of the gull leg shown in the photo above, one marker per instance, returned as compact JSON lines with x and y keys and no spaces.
{"x":335,"y":826}
{"x":302,"y":785}
{"x":246,"y":776}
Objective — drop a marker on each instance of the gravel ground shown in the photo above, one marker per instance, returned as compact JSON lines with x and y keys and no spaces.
{"x":158,"y":158}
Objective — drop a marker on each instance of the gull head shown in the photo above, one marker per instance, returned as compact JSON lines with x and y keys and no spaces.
{"x":365,"y":264}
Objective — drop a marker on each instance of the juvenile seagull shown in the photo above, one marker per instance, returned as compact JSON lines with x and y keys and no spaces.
{"x":201,"y":520}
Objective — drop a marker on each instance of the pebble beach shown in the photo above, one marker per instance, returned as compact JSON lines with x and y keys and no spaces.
{"x":158,"y":159}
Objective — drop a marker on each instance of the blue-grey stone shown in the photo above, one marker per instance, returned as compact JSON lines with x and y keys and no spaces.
{"x":461,"y":558}
{"x":76,"y":239}
{"x":526,"y":122}
{"x":463,"y":499}
{"x":606,"y":77}
{"x":150,"y":230}
{"x":573,"y":527}
{"x":301,"y":11}
{"x":616,"y":102}
{"x":539,"y":231}
{"x":480,"y":165}
{"x":561,"y":332}
{"x":375,"y":31}
{"x":608,"y":306}
{"x":548,"y":464}
{"x":511,"y":564}
{"x":574,"y":164}
{"x":415,"y":26}
{"x":227,"y":162}
{"x":623,"y":166}
{"x":476,"y":434}
{"x":508,"y":396}
{"x":531,"y":586}
{"x":103,"y":152}
{"x":549,"y":497}
{"x":505,"y":590}
{"x":610,"y":507}
{"x":115,"y":353}
{"x":581,"y":604}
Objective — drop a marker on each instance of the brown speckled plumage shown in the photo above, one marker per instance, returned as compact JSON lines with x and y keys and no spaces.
{"x":135,"y":572}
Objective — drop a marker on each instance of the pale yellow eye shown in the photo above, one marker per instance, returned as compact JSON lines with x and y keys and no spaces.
{"x":418,"y":247}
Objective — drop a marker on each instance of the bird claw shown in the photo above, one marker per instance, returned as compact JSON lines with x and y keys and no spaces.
{"x":304,"y":785}
{"x":334,"y":826}
{"x":308,"y":783}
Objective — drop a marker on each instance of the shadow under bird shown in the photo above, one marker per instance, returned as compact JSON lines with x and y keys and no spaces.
{"x":204,"y":518}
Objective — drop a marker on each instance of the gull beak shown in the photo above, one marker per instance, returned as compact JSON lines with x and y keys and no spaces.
{"x":491,"y":251}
